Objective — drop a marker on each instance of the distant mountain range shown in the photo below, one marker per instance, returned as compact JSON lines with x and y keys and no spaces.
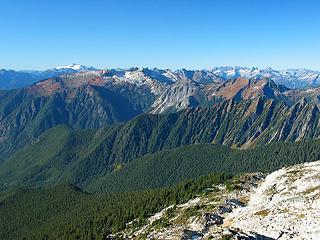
{"x":92,"y":99}
{"x":176,"y":108}
{"x":10,"y":79}
{"x":291,"y":78}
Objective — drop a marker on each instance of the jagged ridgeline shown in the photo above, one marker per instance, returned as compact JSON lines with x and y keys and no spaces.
{"x":94,"y":99}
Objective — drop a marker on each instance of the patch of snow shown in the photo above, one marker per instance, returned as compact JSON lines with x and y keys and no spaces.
{"x":74,"y":66}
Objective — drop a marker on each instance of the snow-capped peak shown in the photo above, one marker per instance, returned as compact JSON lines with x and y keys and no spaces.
{"x":74,"y":66}
{"x":292,"y":78}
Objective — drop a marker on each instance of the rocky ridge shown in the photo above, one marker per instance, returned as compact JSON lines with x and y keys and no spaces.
{"x":283,"y":205}
{"x":292,"y":78}
{"x":95,"y":98}
{"x":174,"y":91}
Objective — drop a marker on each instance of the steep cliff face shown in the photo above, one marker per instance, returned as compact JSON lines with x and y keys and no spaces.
{"x":178,"y":96}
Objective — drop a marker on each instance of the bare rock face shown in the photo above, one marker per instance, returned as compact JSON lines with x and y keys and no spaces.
{"x":177,"y":96}
{"x":285,"y":206}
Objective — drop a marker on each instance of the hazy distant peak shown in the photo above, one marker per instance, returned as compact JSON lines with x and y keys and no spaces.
{"x":74,"y":66}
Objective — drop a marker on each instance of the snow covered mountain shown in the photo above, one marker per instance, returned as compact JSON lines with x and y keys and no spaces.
{"x":291,"y":78}
{"x":10,"y":79}
{"x":75,"y":67}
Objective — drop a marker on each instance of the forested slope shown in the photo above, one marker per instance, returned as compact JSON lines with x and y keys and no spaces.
{"x":169,"y":167}
{"x":105,"y":161}
{"x":66,"y":212}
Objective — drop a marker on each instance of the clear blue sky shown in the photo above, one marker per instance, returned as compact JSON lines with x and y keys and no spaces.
{"x":39,"y":34}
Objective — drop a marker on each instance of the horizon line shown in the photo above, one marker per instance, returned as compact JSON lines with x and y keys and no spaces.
{"x":160,"y":68}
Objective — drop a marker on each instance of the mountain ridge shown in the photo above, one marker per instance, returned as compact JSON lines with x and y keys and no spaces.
{"x":93,"y":99}
{"x":292,"y":78}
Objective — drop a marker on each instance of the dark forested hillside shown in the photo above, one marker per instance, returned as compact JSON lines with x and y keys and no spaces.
{"x":99,"y":160}
{"x":97,"y":152}
{"x":169,"y":167}
{"x":66,"y":212}
{"x":26,"y":113}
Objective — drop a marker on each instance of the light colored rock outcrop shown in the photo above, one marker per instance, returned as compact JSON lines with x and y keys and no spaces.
{"x":285,"y":206}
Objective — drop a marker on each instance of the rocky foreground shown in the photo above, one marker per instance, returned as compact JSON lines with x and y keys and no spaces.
{"x":283,"y":205}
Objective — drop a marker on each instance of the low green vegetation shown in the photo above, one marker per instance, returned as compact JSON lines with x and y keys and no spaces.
{"x":263,"y":213}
